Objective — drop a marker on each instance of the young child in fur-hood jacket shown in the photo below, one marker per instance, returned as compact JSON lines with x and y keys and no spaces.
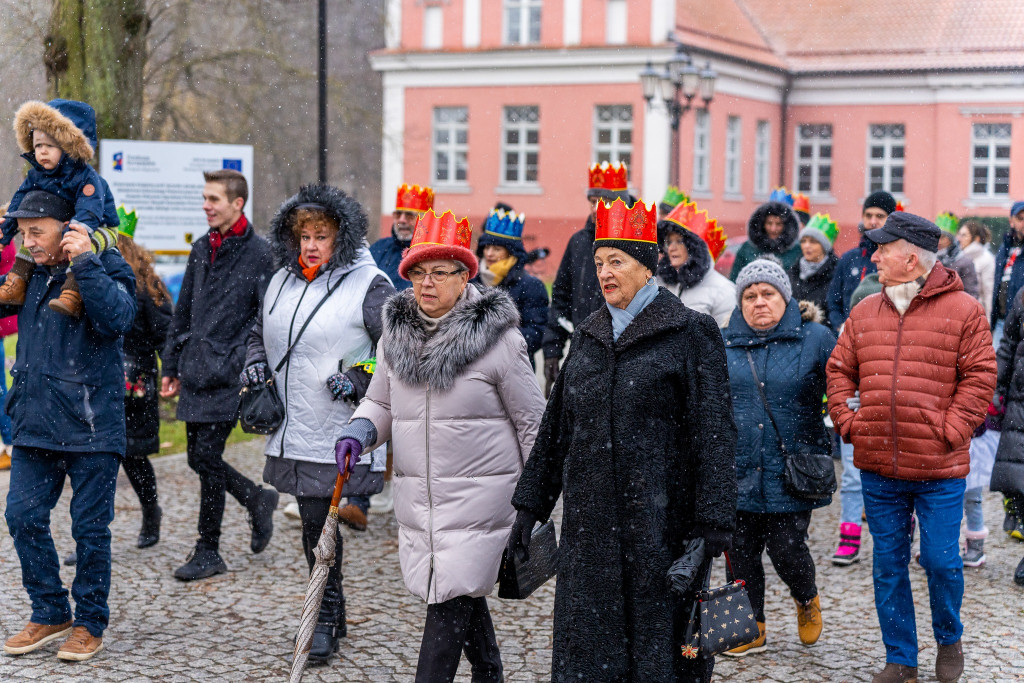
{"x":58,"y":139}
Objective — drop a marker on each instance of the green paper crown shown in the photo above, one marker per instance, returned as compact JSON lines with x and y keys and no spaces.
{"x":823,"y":223}
{"x":673,"y":197}
{"x":128,"y":220}
{"x":948,"y":223}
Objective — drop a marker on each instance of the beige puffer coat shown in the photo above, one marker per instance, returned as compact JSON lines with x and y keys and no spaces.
{"x":461,"y":409}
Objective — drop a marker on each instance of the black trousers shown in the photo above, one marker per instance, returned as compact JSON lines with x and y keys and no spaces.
{"x":206,"y":457}
{"x":313,"y":512}
{"x":784,"y":534}
{"x":462,"y":624}
{"x":142,"y":478}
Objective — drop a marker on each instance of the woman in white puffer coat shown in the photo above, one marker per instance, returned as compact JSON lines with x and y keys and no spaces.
{"x":455,"y":393}
{"x":687,"y":270}
{"x":973,"y":237}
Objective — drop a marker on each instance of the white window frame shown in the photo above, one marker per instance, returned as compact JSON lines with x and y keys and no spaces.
{"x":816,"y":139}
{"x":887,"y":136}
{"x":456,"y":153}
{"x":616,"y":119}
{"x":433,"y":27}
{"x":762,"y":158}
{"x":990,"y":137}
{"x":522,"y":148}
{"x":733,"y":155}
{"x":527,"y":29}
{"x":616,"y":22}
{"x":702,"y":151}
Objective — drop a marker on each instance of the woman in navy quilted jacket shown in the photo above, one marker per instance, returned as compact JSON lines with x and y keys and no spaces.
{"x":782,"y":340}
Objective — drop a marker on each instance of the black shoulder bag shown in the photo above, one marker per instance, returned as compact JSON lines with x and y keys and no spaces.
{"x":807,"y":476}
{"x":260,"y":409}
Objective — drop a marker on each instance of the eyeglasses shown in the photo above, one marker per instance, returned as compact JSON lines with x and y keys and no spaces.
{"x":438,"y":277}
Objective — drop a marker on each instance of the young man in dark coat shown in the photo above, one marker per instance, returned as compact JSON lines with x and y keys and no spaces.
{"x":221,"y":295}
{"x":576,"y":292}
{"x":411,"y":203}
{"x":67,"y":409}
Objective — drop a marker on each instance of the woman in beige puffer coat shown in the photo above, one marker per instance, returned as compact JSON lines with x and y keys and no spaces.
{"x":454,"y":392}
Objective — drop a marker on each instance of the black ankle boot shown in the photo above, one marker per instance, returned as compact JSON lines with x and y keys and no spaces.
{"x":149,"y":535}
{"x":324,"y":645}
{"x":202,"y":563}
{"x":261,"y":518}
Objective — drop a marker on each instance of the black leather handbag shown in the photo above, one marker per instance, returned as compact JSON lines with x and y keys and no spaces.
{"x":808,"y":476}
{"x":516,"y":579}
{"x":260,"y":408}
{"x":721,"y":619}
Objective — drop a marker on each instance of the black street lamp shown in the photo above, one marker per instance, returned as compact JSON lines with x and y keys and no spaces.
{"x":676,"y":85}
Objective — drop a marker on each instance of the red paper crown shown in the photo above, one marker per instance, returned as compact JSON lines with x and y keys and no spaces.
{"x":414,"y":198}
{"x":899,"y":206}
{"x":617,"y":222}
{"x":444,"y":230}
{"x":697,"y":222}
{"x":801,"y":203}
{"x":605,"y":176}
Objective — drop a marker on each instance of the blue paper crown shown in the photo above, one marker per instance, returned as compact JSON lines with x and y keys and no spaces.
{"x":781,"y":195}
{"x":508,"y":225}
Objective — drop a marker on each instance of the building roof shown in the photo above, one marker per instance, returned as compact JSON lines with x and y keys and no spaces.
{"x":812,"y":36}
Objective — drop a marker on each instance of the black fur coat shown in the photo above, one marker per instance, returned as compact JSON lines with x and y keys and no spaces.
{"x":638,"y":437}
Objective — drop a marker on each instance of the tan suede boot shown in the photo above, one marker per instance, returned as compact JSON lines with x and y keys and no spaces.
{"x":70,"y":301}
{"x":808,"y":619}
{"x":12,"y":291}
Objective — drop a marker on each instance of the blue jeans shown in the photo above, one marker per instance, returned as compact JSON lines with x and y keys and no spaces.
{"x":851,"y":500}
{"x":939,"y":505}
{"x":37,"y":480}
{"x":5,"y":419}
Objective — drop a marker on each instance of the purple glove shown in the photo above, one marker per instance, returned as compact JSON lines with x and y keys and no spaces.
{"x":346,"y":454}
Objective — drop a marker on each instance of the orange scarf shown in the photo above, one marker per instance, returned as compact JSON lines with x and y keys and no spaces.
{"x":309,"y":272}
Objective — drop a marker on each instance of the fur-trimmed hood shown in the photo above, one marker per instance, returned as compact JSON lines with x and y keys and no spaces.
{"x":351,"y":226}
{"x":790,"y":229}
{"x":72,"y":124}
{"x":697,"y":264}
{"x":810,"y":312}
{"x":467,"y":332}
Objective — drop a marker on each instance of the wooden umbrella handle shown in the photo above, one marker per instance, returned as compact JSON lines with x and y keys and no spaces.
{"x":339,"y":484}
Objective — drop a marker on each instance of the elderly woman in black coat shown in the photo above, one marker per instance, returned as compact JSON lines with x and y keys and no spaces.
{"x":638,"y":437}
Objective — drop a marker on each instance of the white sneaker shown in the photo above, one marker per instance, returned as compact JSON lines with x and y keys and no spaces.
{"x":383,"y":502}
{"x":291,"y":511}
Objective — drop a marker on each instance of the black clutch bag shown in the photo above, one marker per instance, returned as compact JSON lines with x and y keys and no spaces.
{"x":721,"y":619}
{"x":260,"y":410}
{"x":517,"y":580}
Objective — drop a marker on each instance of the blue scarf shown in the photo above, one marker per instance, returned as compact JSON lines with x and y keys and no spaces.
{"x":622,"y":317}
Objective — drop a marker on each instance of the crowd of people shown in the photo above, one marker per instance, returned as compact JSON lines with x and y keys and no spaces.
{"x":678,"y":403}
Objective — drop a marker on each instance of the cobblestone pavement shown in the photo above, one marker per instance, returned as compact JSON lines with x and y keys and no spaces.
{"x":239,"y":626}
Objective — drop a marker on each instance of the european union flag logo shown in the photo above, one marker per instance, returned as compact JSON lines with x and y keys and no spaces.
{"x":233,"y":165}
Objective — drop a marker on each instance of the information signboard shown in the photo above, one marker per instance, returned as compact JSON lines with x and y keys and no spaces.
{"x":163,"y":182}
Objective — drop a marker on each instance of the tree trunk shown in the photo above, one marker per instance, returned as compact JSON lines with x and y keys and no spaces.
{"x":95,"y":51}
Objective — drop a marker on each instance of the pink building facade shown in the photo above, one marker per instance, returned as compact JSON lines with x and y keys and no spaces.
{"x":512,"y":100}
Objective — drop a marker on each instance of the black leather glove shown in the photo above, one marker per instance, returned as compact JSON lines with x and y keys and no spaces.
{"x":550,"y":374}
{"x":519,"y":537}
{"x":716,"y":542}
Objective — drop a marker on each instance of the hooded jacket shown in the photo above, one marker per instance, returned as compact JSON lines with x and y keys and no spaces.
{"x":814,"y":288}
{"x":925,"y":380}
{"x":387,"y":252}
{"x":461,"y":409}
{"x":1010,"y":241}
{"x":73,"y":126}
{"x":790,"y":361}
{"x":344,"y":330}
{"x":217,"y":307}
{"x":697,"y":284}
{"x":576,"y":292}
{"x":638,"y":440}
{"x":786,"y":247}
{"x":852,"y":268}
{"x":67,"y":389}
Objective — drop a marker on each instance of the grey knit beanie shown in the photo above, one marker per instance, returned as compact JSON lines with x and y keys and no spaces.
{"x":764,"y":270}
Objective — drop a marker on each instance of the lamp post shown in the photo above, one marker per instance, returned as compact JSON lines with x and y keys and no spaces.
{"x":677,"y":84}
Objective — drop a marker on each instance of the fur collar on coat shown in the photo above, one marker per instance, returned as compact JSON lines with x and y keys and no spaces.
{"x":351,"y":231}
{"x":465,"y":334}
{"x":691,"y":273}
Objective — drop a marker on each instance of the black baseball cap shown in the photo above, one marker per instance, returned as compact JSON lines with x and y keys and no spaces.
{"x":901,"y":225}
{"x":42,"y":204}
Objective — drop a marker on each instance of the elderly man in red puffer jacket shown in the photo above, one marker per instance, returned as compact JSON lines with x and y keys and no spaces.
{"x":909,"y":381}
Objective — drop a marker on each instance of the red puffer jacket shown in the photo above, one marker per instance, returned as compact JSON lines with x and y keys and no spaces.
{"x":925,"y":381}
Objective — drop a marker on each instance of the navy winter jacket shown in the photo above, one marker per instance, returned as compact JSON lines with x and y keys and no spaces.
{"x":852,"y":268}
{"x":67,"y":390}
{"x":387,"y":252}
{"x":1016,"y":276}
{"x":531,"y":297}
{"x":790,"y":361}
